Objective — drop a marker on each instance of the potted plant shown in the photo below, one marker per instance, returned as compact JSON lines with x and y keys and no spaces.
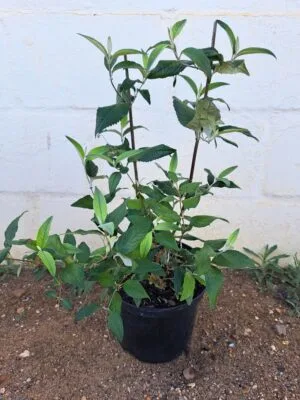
{"x":151,"y":263}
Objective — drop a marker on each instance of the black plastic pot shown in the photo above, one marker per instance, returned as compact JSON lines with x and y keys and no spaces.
{"x":157,"y":335}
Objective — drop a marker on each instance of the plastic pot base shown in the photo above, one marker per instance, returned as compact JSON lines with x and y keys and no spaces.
{"x":157,"y":335}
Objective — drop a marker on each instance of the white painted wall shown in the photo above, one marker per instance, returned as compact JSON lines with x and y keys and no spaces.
{"x":51,"y":82}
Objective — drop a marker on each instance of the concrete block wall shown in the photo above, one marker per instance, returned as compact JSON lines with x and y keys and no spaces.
{"x":52,"y":81}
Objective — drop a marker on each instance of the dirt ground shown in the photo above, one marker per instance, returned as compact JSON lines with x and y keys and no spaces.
{"x":237,"y":352}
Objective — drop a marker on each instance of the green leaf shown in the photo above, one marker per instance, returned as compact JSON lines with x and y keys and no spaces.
{"x":213,"y":86}
{"x":145,"y":245}
{"x":51,"y":294}
{"x":166,"y":68}
{"x":146,"y":95}
{"x":173,"y":162}
{"x":84,"y":253}
{"x":232,"y":67}
{"x":213,"y":282}
{"x":134,"y":204}
{"x":216,"y":244}
{"x":146,"y":266}
{"x":84,"y":202}
{"x":227,"y":171}
{"x":73,"y":274}
{"x":227,"y":141}
{"x":130,"y":239}
{"x":129,"y":65}
{"x":115,"y":324}
{"x":177,"y":28}
{"x":178,"y":280}
{"x":166,"y":42}
{"x":77,"y":146}
{"x":155,"y":53}
{"x":3,"y":254}
{"x":114,"y":181}
{"x":97,"y":152}
{"x":232,"y":239}
{"x":230,"y":34}
{"x":86,"y":311}
{"x":165,"y":226}
{"x":235,"y":129}
{"x":116,"y":303}
{"x":117,"y":216}
{"x":106,"y":279}
{"x":199,"y":58}
{"x":66,"y":304}
{"x":127,"y":154}
{"x":99,"y":252}
{"x":128,"y":130}
{"x":109,"y":45}
{"x":55,"y":247}
{"x":233,"y":259}
{"x":202,"y":260}
{"x":188,"y":187}
{"x":152,"y":153}
{"x":191,"y":202}
{"x":48,"y":261}
{"x":69,"y":238}
{"x":87,"y":232}
{"x":166,"y":187}
{"x":11,"y":231}
{"x":95,"y":43}
{"x":110,"y":115}
{"x":125,"y":52}
{"x":43,"y":233}
{"x":166,"y":239}
{"x":135,"y":289}
{"x":185,"y":114}
{"x":99,"y":206}
{"x":108,"y":227}
{"x":188,"y":287}
{"x":254,"y":50}
{"x":91,"y":169}
{"x":165,"y":213}
{"x":191,"y":83}
{"x":200,"y":221}
{"x":206,"y":117}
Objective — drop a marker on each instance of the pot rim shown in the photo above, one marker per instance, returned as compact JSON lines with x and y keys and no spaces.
{"x":162,"y":310}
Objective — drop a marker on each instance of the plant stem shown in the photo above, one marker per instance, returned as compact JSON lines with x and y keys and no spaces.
{"x":197,"y":138}
{"x":131,"y":126}
{"x":196,"y":145}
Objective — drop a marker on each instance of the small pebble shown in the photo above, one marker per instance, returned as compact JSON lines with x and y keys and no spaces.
{"x":25,"y":354}
{"x":280,"y":329}
{"x":20,"y":310}
{"x":2,"y":390}
{"x":191,"y":385}
{"x":83,"y":398}
{"x":189,"y":373}
{"x":273,"y":347}
{"x":247,"y":331}
{"x":18,"y":293}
